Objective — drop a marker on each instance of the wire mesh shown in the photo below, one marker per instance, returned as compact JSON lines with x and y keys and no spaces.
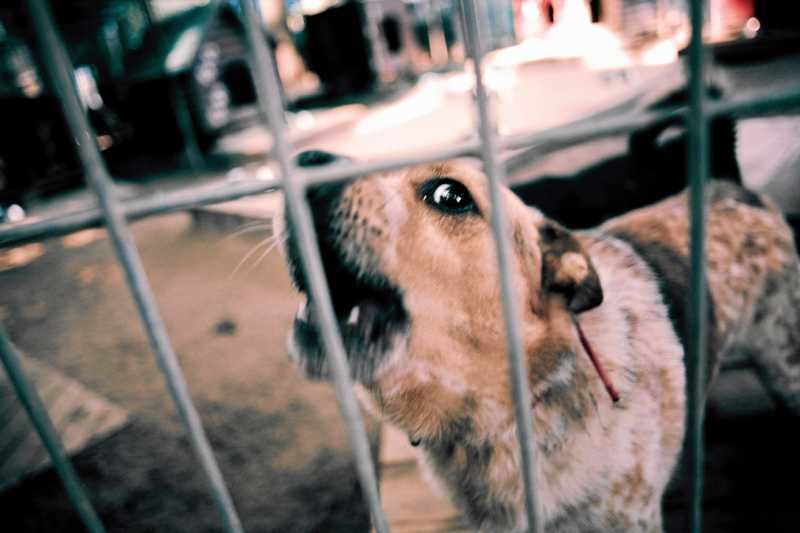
{"x":59,"y":70}
{"x":538,"y":142}
{"x":32,"y":403}
{"x":473,"y":28}
{"x":269,"y":97}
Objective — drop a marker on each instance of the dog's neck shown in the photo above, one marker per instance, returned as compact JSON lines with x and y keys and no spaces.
{"x":470,"y":440}
{"x":468,"y":460}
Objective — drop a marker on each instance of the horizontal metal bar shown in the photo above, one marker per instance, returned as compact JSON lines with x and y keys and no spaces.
{"x":590,"y":129}
{"x":585,"y":130}
{"x":161,"y":203}
{"x":473,"y":23}
{"x":469,"y":147}
{"x":37,"y":413}
{"x":530,"y":144}
{"x":155,"y":204}
{"x":60,"y":74}
{"x":269,"y":97}
{"x":755,"y":105}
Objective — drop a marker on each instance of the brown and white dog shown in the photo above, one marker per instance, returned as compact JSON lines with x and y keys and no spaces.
{"x":411,"y":265}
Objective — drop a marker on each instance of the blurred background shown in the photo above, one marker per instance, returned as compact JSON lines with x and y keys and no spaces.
{"x":168,"y":89}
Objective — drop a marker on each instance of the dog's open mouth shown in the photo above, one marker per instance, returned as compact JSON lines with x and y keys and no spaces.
{"x":371,"y":318}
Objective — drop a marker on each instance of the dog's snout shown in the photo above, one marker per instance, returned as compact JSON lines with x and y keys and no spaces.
{"x":323,"y":201}
{"x":316,"y":158}
{"x":323,"y":198}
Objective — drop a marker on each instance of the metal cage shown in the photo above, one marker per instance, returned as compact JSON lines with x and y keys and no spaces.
{"x":115,"y":214}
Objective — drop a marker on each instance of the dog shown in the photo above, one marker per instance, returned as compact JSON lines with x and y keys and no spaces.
{"x":410,"y":262}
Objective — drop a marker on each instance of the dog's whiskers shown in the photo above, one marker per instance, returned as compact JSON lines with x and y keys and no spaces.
{"x":251,"y":227}
{"x":268,"y":242}
{"x":277,"y":241}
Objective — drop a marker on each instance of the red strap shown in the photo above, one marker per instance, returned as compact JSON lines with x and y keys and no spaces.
{"x":601,"y":371}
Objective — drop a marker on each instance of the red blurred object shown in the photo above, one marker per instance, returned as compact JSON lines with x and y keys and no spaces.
{"x":729,"y":17}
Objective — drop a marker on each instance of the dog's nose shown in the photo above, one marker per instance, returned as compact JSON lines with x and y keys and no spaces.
{"x":323,"y":199}
{"x":316,"y":158}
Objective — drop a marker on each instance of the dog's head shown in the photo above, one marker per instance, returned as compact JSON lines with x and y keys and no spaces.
{"x":411,"y":264}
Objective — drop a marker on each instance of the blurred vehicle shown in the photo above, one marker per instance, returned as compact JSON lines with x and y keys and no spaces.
{"x":156,"y":87}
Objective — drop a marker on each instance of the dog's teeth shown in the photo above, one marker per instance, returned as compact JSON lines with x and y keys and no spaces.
{"x":302,"y":311}
{"x":352,"y":320}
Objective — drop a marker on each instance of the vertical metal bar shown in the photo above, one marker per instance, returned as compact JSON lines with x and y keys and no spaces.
{"x":268,"y":91}
{"x":696,"y":356}
{"x":520,"y":390}
{"x":44,"y":427}
{"x":59,"y":69}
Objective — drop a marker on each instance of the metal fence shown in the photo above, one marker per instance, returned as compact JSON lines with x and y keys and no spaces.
{"x":116,"y":214}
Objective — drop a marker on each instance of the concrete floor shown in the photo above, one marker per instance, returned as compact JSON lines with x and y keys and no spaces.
{"x":278,"y":438}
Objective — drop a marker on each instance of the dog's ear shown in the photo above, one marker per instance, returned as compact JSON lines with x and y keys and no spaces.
{"x":567,"y":269}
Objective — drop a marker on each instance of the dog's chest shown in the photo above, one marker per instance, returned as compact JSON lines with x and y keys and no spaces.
{"x":587,"y":477}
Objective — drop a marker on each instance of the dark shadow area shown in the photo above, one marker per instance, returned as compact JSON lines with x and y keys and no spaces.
{"x":146,"y":479}
{"x":279,"y":439}
{"x":751,"y":464}
{"x":653,"y":167}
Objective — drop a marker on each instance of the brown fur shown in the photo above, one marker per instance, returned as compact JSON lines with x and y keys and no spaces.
{"x":602,"y":467}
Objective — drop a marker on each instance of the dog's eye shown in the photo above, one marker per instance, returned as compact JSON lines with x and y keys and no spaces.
{"x":448,"y":196}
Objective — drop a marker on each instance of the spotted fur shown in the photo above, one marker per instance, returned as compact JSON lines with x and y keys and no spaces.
{"x":602,"y":466}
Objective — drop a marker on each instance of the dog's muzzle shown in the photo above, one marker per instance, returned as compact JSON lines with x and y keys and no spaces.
{"x":369,"y":309}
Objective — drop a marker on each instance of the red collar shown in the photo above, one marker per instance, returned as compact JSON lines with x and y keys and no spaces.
{"x":598,"y":366}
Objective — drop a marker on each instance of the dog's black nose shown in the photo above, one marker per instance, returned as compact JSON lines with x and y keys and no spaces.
{"x":323,"y":200}
{"x":317,"y":158}
{"x":325,"y":197}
